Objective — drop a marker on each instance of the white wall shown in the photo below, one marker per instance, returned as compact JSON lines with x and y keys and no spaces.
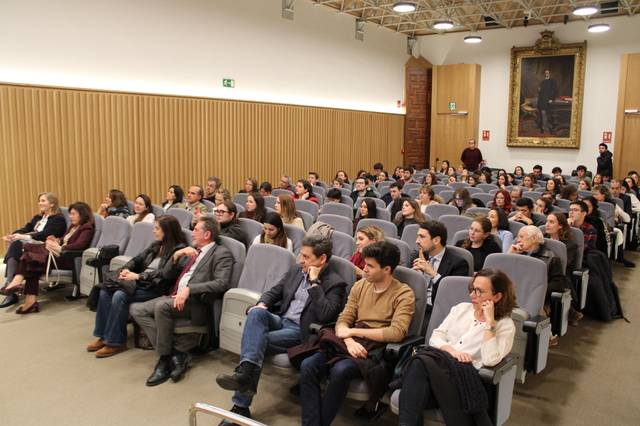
{"x":604,"y":52}
{"x":186,"y":47}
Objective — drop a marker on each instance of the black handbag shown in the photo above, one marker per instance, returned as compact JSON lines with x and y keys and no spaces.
{"x":104,"y":256}
{"x":113,"y":284}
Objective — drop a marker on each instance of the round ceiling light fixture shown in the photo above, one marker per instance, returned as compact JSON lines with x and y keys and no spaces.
{"x":473,"y":39}
{"x":598,"y":28}
{"x":443,"y":25}
{"x":585,"y":10}
{"x":404,"y":7}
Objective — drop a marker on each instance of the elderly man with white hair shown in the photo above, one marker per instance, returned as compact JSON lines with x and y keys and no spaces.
{"x":530,"y":242}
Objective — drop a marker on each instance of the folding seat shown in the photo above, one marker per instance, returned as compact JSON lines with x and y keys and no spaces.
{"x":446,"y":195}
{"x":560,"y":301}
{"x":584,"y":194}
{"x":499,"y":380}
{"x":457,"y":185}
{"x":337,"y":209}
{"x":212,"y":330}
{"x":533,"y":195}
{"x":184,"y":217}
{"x":296,"y":235}
{"x":607,"y":212}
{"x":339,"y":223}
{"x":157,"y":210}
{"x":343,"y":244}
{"x":437,"y":210}
{"x":455,"y":223}
{"x":115,"y":231}
{"x":253,"y":228}
{"x":580,"y":275}
{"x":379,"y":203}
{"x":278,"y":191}
{"x":141,"y":238}
{"x":473,"y":191}
{"x":439,"y":188}
{"x":478,"y":211}
{"x":187,"y":235}
{"x":211,"y":206}
{"x":307,"y":219}
{"x":319,"y":190}
{"x":130,"y":204}
{"x":239,"y":207}
{"x":515,"y":227}
{"x":540,"y":189}
{"x":485,"y":198}
{"x":347,"y":186}
{"x":65,"y":213}
{"x":463,"y":253}
{"x":270,"y":201}
{"x":533,"y":330}
{"x":413,"y":193}
{"x":405,"y":249}
{"x":307,"y":206}
{"x":409,"y":186}
{"x":410,"y":234}
{"x":322,"y":184}
{"x":240,"y":198}
{"x":385,"y":184}
{"x":486,"y":187}
{"x":389,"y":228}
{"x":346,"y":192}
{"x":265,"y":266}
{"x":347,"y":200}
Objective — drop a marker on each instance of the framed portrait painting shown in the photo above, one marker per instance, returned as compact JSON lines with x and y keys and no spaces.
{"x":545,"y":94}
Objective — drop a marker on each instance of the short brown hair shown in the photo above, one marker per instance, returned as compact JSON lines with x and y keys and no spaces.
{"x":211,"y":225}
{"x":500,"y":283}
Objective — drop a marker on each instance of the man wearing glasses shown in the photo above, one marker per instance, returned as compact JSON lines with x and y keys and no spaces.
{"x":577,"y":218}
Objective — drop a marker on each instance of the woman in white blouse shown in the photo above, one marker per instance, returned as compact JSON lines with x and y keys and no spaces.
{"x":142,"y":210}
{"x":480,"y":333}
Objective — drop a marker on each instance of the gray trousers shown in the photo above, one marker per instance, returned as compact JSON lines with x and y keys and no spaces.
{"x":157,"y":317}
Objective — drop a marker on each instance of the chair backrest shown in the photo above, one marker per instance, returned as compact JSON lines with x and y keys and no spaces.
{"x":578,"y":237}
{"x":347,"y":201}
{"x":533,"y":195}
{"x":209,"y":205}
{"x":531,"y":287}
{"x":413,"y":193}
{"x":618,"y":202}
{"x":131,"y":205}
{"x":280,"y":191}
{"x":65,"y":213}
{"x":188,"y":235}
{"x":344,"y":268}
{"x":307,"y":219}
{"x":98,"y":221}
{"x":320,"y":190}
{"x":478,"y":211}
{"x":115,"y":230}
{"x":437,"y":210}
{"x":184,"y":217}
{"x":343,"y":244}
{"x":584,"y":194}
{"x":451,"y":291}
{"x":141,"y":238}
{"x":485,"y":198}
{"x":382,"y":214}
{"x":418,"y":284}
{"x":296,"y":235}
{"x":409,"y":234}
{"x":265,"y":266}
{"x":389,"y":228}
{"x":559,"y":249}
{"x":539,"y":217}
{"x":446,"y":195}
{"x":455,"y":223}
{"x":307,"y":206}
{"x":346,"y":191}
{"x":337,"y":209}
{"x":240,"y":198}
{"x":410,"y":186}
{"x":439,"y":188}
{"x":157,"y":210}
{"x":486,"y":187}
{"x":515,"y":227}
{"x":473,"y":191}
{"x":379,"y":203}
{"x":405,"y":249}
{"x":339,"y":223}
{"x":463,"y":253}
{"x":457,"y":185}
{"x":607,"y":208}
{"x":270,"y":201}
{"x":239,"y":253}
{"x":251,"y":227}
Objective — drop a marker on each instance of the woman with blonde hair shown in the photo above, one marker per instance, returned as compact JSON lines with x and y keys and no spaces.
{"x":364,"y":236}
{"x":286,"y":208}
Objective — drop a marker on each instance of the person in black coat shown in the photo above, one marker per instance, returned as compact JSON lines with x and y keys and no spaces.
{"x":227,"y":217}
{"x":113,"y":307}
{"x":310,"y":293}
{"x":48,"y":222}
{"x":605,"y":162}
{"x":480,"y":242}
{"x":362,"y":190}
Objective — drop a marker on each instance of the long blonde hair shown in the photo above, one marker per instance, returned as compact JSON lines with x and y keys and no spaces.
{"x":287,"y":208}
{"x":51,"y":197}
{"x":373,"y":233}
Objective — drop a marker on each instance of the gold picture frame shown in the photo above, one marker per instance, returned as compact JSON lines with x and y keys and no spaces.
{"x":545,"y":94}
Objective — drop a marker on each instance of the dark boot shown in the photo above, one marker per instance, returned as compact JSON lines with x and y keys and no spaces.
{"x":243,"y":411}
{"x":179,"y":365}
{"x":244,"y":379}
{"x":161,"y":372}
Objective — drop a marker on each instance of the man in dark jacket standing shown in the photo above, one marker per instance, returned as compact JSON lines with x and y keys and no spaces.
{"x":605,"y":162}
{"x":471,"y":156}
{"x":311,"y":293}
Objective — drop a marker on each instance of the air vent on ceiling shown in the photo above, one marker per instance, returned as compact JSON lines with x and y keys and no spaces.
{"x":490,"y":22}
{"x":609,"y":7}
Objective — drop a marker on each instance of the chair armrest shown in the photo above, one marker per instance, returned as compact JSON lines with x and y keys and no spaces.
{"x":314,"y":328}
{"x":518,"y":314}
{"x":494,"y":374}
{"x":395,"y":350}
{"x":241,"y":293}
{"x":536,"y":324}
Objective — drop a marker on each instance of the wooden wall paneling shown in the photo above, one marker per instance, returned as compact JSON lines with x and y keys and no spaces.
{"x":417,"y":131}
{"x":626,"y":150}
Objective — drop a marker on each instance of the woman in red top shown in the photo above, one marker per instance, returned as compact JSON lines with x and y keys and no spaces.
{"x":365,"y":236}
{"x":304,"y":191}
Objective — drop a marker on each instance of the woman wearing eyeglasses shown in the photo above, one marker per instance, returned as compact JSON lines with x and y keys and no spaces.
{"x":473,"y":335}
{"x":227,"y":217}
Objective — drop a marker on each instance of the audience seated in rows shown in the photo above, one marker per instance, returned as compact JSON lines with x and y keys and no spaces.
{"x":304,"y":191}
{"x":175,"y":195}
{"x":213,"y":184}
{"x":395,"y":198}
{"x":502,"y":200}
{"x":265,"y":189}
{"x":142,"y":210}
{"x":254,"y":208}
{"x":480,"y":243}
{"x":361,"y":189}
{"x":364,"y":237}
{"x":462,"y":200}
{"x":500,"y":227}
{"x":273,"y":232}
{"x":286,"y":208}
{"x":226,"y":215}
{"x":368,"y":210}
{"x":410,"y":214}
{"x":194,"y":203}
{"x":115,"y":204}
{"x":427,"y":197}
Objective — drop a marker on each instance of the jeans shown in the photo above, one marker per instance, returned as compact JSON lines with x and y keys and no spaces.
{"x":113,"y":312}
{"x":321,"y":410}
{"x":264,"y":333}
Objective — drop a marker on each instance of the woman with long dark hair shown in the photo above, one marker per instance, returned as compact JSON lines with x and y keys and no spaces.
{"x":304,"y":191}
{"x":175,"y":194}
{"x":500,"y":227}
{"x":113,"y":307}
{"x":409,"y":214}
{"x":115,"y":204}
{"x":254,"y":208}
{"x":368,"y":210}
{"x":480,"y":243}
{"x":273,"y":232}
{"x":142,"y":210}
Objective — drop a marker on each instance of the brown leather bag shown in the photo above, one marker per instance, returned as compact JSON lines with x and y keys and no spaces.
{"x":35,"y":256}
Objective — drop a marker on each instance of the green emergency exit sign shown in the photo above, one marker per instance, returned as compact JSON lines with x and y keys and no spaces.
{"x":228,"y":82}
{"x":452,"y":106}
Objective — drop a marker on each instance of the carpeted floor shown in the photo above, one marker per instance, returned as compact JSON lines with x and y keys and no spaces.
{"x":49,"y":379}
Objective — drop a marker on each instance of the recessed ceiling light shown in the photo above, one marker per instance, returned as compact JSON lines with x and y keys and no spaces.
{"x":443,"y":25}
{"x":585,"y":10}
{"x":598,"y":28}
{"x":473,"y":39}
{"x":404,"y":7}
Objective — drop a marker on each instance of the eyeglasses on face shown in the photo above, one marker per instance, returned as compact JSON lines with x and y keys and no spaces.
{"x":475,"y":290}
{"x":221,"y":212}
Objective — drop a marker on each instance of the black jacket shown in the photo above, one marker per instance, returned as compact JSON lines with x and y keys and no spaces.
{"x":56,"y":225}
{"x":323,"y":306}
{"x":451,"y":265}
{"x":556,"y":278}
{"x":235,"y":231}
{"x":605,"y":164}
{"x":160,"y":280}
{"x":480,"y":254}
{"x":368,"y":193}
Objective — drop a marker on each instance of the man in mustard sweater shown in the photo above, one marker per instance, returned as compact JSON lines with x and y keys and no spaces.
{"x":379,"y":310}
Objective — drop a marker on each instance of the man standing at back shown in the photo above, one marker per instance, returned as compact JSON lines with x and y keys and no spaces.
{"x":605,"y":162}
{"x":471,"y":156}
{"x":311,"y":293}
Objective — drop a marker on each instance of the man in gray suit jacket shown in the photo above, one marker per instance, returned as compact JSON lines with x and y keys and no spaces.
{"x":206,"y":273}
